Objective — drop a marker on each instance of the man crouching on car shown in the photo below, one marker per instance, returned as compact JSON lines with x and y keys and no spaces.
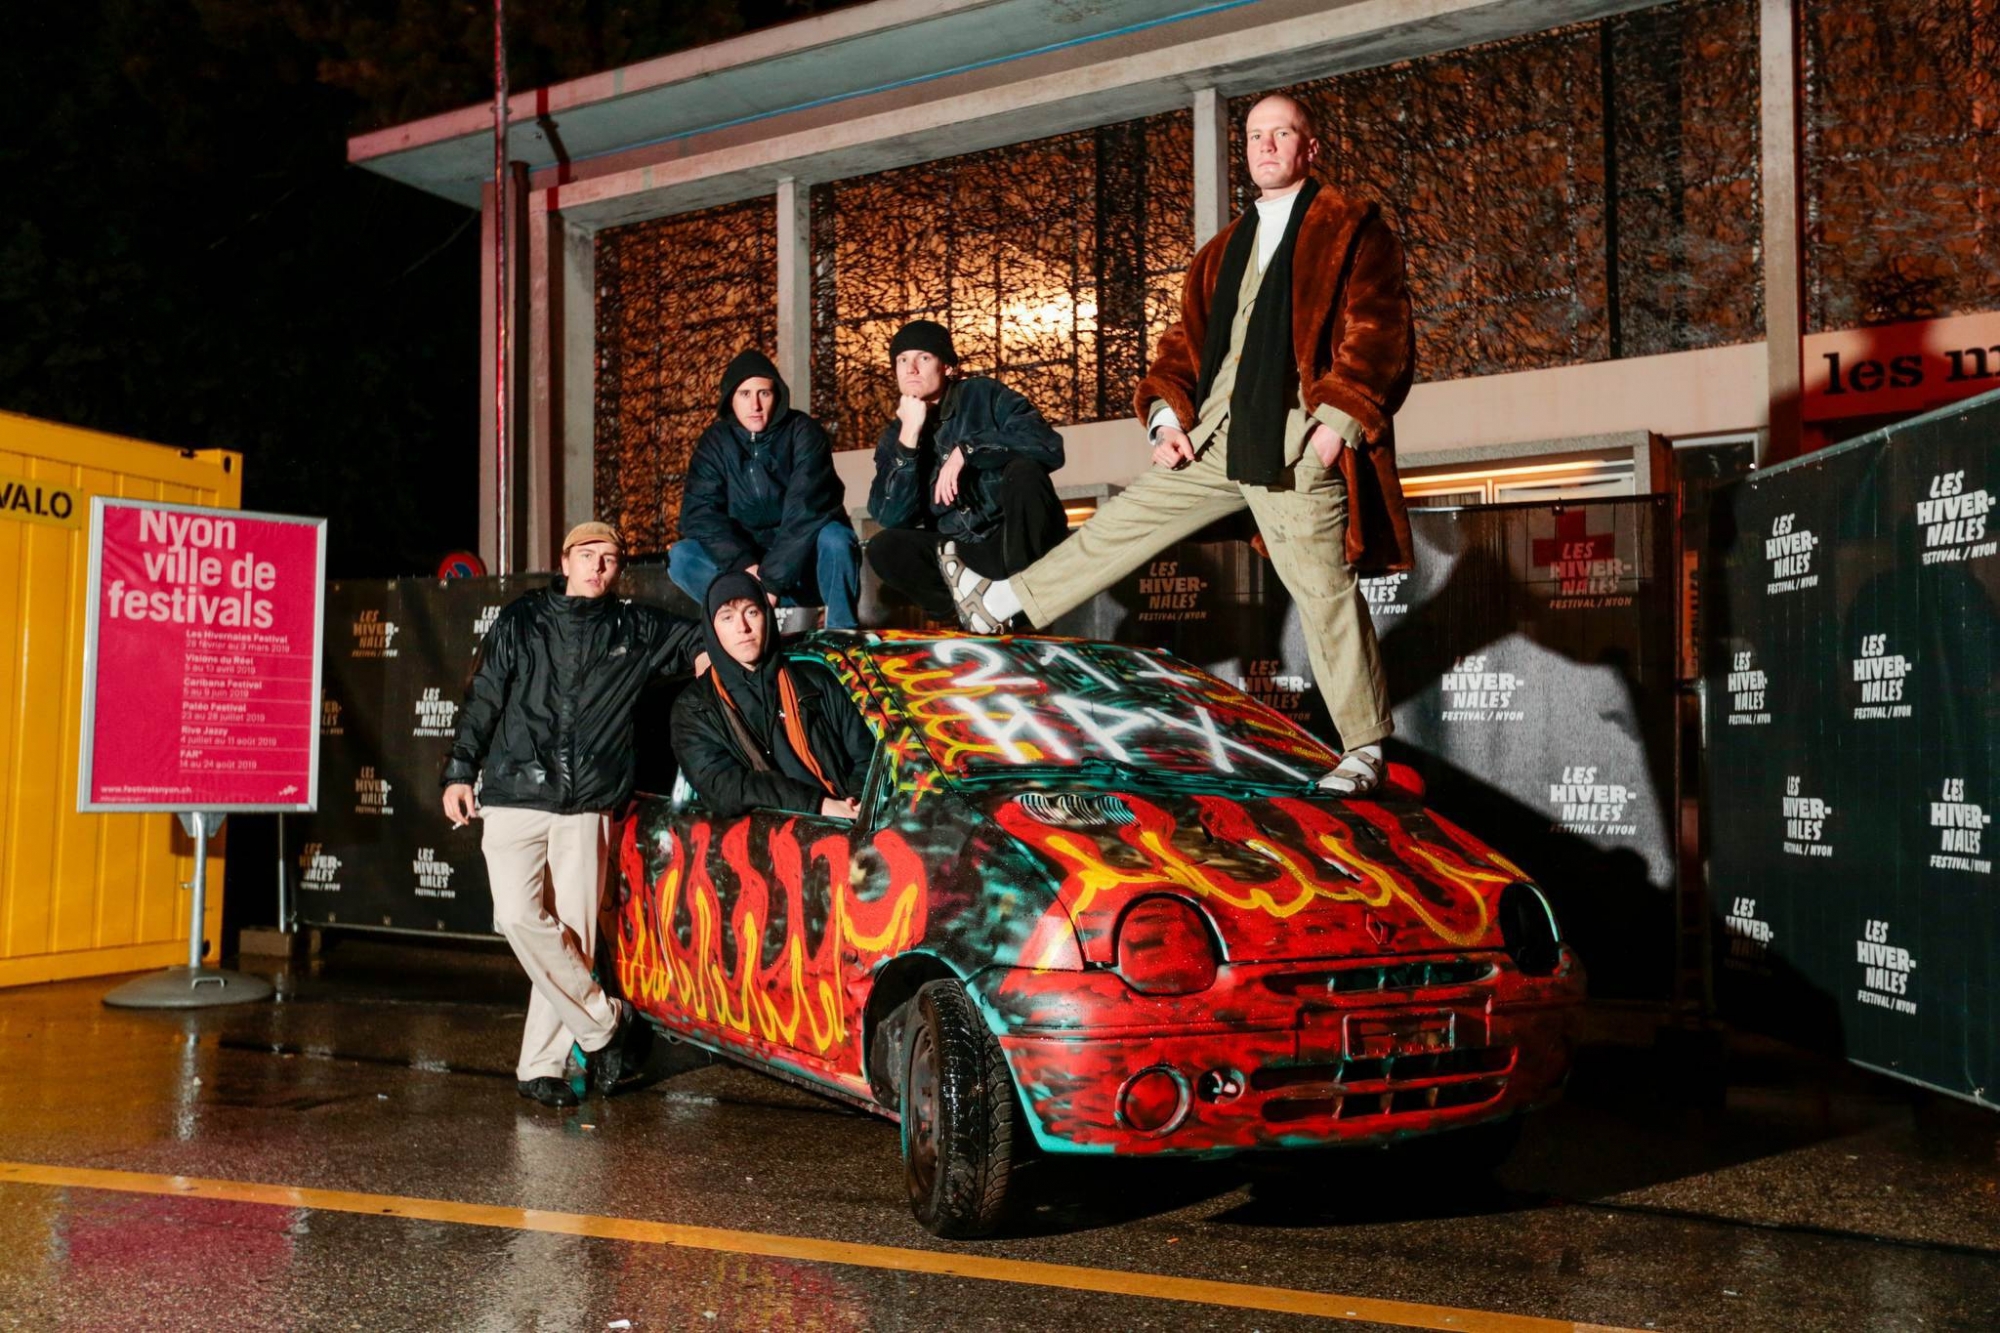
{"x":548,"y":720}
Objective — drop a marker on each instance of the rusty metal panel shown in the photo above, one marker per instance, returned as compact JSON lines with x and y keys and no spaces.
{"x":1055,"y":263}
{"x":80,"y":895}
{"x":676,"y":299}
{"x":1539,"y":230}
{"x":1900,"y":117}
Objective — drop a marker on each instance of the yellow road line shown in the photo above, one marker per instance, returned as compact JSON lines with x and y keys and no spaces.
{"x":1112,"y":1282}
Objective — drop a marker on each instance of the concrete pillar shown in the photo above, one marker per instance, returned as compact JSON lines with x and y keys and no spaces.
{"x":541,"y":484}
{"x":577,"y":409}
{"x":1211,"y":164}
{"x":794,"y":356}
{"x":1784,"y":273}
{"x":561,"y":313}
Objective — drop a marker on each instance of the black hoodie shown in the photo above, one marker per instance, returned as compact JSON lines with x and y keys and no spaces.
{"x":733,"y":777}
{"x":761,"y":499}
{"x":753,"y":688}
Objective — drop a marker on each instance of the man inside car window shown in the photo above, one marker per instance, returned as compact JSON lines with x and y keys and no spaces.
{"x":760,"y":734}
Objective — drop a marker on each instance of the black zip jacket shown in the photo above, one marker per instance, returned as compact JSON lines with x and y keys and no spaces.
{"x":717,"y":768}
{"x":762,"y":499}
{"x":548,"y":715}
{"x":994,"y":425}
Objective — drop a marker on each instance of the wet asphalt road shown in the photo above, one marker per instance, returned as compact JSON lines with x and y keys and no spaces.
{"x":1811,"y":1197}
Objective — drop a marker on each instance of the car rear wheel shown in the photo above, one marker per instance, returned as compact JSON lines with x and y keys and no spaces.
{"x":959,"y":1115}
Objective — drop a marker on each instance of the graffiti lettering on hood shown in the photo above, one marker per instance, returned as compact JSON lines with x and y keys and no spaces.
{"x":987,"y":705}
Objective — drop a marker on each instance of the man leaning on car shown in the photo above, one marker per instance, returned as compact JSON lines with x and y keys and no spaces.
{"x":547,"y":730}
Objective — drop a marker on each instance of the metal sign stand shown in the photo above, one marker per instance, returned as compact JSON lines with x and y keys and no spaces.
{"x":193,"y":986}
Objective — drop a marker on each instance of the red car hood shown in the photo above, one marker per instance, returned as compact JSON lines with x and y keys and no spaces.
{"x":1281,"y":878}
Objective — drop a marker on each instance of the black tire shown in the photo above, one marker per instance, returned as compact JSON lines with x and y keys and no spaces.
{"x":959,"y":1116}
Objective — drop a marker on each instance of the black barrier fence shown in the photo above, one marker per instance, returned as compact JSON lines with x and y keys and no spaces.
{"x":1852,"y":678}
{"x":380,"y":854}
{"x":1531,"y":654}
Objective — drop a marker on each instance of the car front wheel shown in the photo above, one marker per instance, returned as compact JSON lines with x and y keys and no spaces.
{"x":959,"y":1130}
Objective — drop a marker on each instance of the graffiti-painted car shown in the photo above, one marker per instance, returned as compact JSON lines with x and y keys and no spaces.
{"x":1092,"y":898}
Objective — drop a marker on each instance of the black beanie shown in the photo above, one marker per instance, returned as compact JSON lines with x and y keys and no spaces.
{"x":924,"y":335}
{"x":752,"y":365}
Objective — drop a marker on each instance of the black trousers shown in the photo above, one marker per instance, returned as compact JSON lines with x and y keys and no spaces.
{"x":1032,"y":524}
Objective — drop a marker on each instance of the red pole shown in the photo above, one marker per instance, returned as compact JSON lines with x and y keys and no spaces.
{"x":503,"y":544}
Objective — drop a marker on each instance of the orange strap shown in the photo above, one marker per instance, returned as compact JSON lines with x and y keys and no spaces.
{"x":795,"y":724}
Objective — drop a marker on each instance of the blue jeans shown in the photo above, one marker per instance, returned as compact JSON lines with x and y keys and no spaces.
{"x":834,"y":568}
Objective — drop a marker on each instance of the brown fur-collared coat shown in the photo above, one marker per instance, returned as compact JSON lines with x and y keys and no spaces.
{"x":1356,"y":349}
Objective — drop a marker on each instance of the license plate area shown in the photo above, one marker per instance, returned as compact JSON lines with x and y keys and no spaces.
{"x":1330,"y":1034}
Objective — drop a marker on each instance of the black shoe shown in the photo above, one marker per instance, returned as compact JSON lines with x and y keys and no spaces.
{"x":607,"y":1064}
{"x":548,"y":1091}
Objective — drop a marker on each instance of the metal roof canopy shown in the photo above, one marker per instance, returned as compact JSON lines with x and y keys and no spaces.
{"x":897,"y":82}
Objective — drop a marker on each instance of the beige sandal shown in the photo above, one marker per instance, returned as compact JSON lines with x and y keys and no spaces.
{"x":970,"y":605}
{"x":1357,"y":774}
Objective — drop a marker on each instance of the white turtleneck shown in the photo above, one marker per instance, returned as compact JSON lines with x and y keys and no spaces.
{"x":1273,"y":216}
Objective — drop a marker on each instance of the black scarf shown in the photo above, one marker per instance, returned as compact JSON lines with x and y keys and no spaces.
{"x":1267,"y":378}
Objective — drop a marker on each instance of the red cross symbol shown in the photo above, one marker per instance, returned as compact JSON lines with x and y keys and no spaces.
{"x":1572,"y":542}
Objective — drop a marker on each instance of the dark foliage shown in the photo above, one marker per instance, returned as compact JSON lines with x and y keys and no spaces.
{"x":186,"y":257}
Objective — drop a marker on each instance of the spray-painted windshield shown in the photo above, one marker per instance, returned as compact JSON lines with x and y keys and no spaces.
{"x":990,"y":707}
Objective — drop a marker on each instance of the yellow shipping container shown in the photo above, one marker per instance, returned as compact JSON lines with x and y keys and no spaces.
{"x":80,"y":895}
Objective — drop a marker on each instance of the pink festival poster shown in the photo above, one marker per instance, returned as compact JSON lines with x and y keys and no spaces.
{"x":202,"y":659}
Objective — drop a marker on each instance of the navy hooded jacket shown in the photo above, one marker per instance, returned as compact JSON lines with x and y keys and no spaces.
{"x":761,"y":499}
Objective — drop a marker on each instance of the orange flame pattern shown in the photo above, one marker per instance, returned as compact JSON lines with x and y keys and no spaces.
{"x":800,"y":1005}
{"x":1445,"y":888}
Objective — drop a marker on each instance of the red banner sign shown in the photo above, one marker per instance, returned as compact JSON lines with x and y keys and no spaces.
{"x":202,"y":659}
{"x":1901,"y":368}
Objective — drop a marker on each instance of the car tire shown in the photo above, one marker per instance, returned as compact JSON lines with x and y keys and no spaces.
{"x":960,"y":1119}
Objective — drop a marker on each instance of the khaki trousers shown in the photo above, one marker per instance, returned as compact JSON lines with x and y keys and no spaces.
{"x":1304,"y":523}
{"x":547,"y":873}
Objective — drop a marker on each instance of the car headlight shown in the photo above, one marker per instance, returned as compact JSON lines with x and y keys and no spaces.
{"x":1528,"y":929}
{"x":1165,"y":948}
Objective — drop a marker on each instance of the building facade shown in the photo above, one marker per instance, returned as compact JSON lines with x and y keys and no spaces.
{"x":1754,"y":223}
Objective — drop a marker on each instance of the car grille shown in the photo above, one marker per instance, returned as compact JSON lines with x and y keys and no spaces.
{"x":1390,"y":1086}
{"x":1416,"y":974}
{"x":1076,"y":809}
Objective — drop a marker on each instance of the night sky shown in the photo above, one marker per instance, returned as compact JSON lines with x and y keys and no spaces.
{"x":186,"y":257}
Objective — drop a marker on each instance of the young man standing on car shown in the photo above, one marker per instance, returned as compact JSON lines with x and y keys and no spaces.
{"x":546,"y":732}
{"x":1275,"y":389}
{"x":961,"y":474}
{"x":762,"y":497}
